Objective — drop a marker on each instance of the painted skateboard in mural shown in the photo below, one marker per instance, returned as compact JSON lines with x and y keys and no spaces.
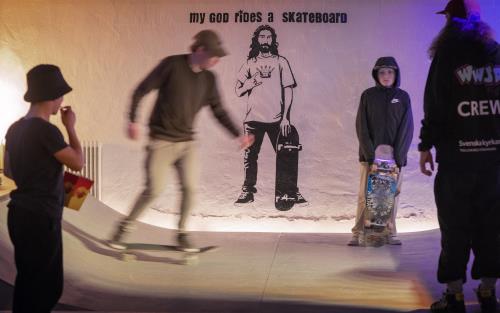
{"x":287,"y":167}
{"x":381,"y":192}
{"x":187,"y":258}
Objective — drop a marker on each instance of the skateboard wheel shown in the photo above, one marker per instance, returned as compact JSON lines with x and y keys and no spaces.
{"x":127,"y":257}
{"x":280,"y":146}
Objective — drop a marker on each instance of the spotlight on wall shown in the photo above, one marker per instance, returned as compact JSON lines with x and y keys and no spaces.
{"x":12,"y":84}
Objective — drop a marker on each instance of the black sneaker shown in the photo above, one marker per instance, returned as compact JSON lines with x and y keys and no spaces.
{"x":244,"y":198}
{"x":184,"y":244}
{"x":300,"y":200}
{"x":487,"y":299}
{"x":449,"y":303}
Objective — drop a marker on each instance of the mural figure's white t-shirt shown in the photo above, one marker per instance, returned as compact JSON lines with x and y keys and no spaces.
{"x":265,"y":102}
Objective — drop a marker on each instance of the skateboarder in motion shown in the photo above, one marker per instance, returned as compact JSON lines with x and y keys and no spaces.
{"x":268,"y":82}
{"x":384,"y":118}
{"x":462,"y":122}
{"x":184,"y":86}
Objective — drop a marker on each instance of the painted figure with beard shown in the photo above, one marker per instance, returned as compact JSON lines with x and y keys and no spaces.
{"x":267,"y":80}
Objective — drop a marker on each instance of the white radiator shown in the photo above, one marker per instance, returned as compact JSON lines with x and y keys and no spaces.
{"x":92,"y":152}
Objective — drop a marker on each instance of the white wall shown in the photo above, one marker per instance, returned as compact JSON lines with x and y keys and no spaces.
{"x":106,"y":47}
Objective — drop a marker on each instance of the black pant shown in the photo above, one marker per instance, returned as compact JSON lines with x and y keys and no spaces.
{"x":468,"y":204}
{"x":257,"y":129}
{"x":38,"y":255}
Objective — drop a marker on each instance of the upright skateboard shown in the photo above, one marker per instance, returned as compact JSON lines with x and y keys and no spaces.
{"x":287,"y":167}
{"x":381,"y":191}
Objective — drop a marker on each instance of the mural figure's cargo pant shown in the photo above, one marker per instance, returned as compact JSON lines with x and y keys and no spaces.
{"x":359,"y":222}
{"x":468,"y":205}
{"x":258,"y":129}
{"x":161,"y":156}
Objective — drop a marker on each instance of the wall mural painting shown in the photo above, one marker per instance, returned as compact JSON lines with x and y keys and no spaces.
{"x":267,"y":82}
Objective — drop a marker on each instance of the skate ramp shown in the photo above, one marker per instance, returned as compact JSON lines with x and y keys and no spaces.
{"x":249,"y":273}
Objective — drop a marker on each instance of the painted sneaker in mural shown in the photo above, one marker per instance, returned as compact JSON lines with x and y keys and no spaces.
{"x":300,"y":200}
{"x":449,"y":303}
{"x":185,"y":244}
{"x":487,"y":299}
{"x":246,"y":196}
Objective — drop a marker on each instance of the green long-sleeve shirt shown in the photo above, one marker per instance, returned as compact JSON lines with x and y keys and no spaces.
{"x":181,"y":95}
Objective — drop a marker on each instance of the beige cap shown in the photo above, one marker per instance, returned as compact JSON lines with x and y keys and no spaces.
{"x":211,"y":42}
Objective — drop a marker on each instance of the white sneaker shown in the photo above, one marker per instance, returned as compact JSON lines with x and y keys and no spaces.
{"x":354,"y":241}
{"x":393,"y":240}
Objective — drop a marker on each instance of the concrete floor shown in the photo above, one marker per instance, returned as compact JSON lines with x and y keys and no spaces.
{"x":250,"y":272}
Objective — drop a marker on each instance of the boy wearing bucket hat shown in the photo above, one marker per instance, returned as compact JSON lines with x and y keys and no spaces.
{"x":185,"y":85}
{"x":462,"y":122}
{"x":34,"y":157}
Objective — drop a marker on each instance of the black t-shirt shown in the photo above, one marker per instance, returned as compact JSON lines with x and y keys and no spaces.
{"x":31,"y":144}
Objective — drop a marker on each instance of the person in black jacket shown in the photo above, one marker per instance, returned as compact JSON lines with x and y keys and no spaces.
{"x":462,"y":122}
{"x":384,"y":118}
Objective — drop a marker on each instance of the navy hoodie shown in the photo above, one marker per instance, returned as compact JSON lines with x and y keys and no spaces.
{"x":462,"y":101}
{"x":384,"y":117}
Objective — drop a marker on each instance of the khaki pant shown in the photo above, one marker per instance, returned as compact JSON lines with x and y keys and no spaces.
{"x":359,"y":222}
{"x":161,"y":156}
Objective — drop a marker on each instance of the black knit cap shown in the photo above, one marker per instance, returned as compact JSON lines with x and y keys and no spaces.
{"x":45,"y":82}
